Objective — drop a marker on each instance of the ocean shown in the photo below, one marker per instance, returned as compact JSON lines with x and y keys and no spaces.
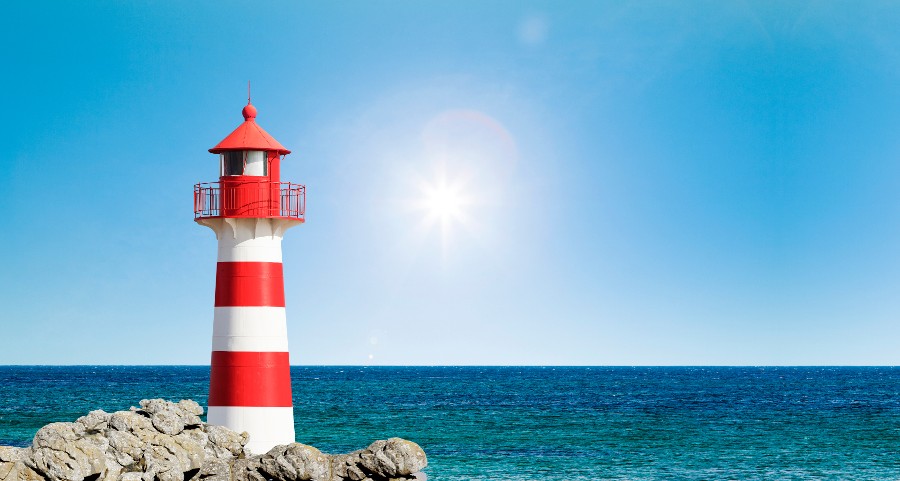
{"x":541,"y":423}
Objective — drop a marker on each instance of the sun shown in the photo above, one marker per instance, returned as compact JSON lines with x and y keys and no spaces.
{"x":445,"y":204}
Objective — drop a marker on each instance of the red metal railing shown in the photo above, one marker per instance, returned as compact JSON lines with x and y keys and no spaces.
{"x":249,"y":199}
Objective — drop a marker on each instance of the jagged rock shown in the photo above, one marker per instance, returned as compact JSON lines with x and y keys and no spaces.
{"x":162,"y":464}
{"x":95,"y":420}
{"x":12,"y":465}
{"x":393,"y":458}
{"x":171,"y":418}
{"x":215,"y":470}
{"x":6,"y":468}
{"x":247,"y":469}
{"x":296,"y":462}
{"x":276,"y":465}
{"x":346,"y":466}
{"x":190,"y":406}
{"x":113,"y":470}
{"x":167,"y":423}
{"x":130,"y":421}
{"x":125,"y":447}
{"x":164,"y":441}
{"x":62,"y":452}
{"x":12,"y":454}
{"x":225,"y":443}
{"x":193,"y":443}
{"x":18,"y":471}
{"x":309,"y":462}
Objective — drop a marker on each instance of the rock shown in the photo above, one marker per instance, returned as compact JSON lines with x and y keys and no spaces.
{"x":153,"y":406}
{"x":171,"y":418}
{"x":8,"y":471}
{"x":63,"y":453}
{"x":393,"y":458}
{"x":194,"y":445}
{"x":191,"y":407}
{"x":13,"y":467}
{"x":167,"y":423}
{"x":163,"y":464}
{"x":11,"y":454}
{"x":112,"y":470}
{"x":276,"y":466}
{"x":247,"y":469}
{"x":18,"y":471}
{"x":166,"y":417}
{"x":94,"y":421}
{"x":310,"y":462}
{"x":346,"y":466}
{"x":164,"y":441}
{"x":225,"y":443}
{"x":125,"y":447}
{"x":130,"y":421}
{"x":296,"y":462}
{"x":215,"y":470}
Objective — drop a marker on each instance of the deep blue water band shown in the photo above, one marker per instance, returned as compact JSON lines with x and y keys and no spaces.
{"x":514,"y":423}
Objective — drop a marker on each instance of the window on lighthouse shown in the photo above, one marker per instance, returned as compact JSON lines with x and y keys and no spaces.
{"x":255,"y":163}
{"x":244,"y":162}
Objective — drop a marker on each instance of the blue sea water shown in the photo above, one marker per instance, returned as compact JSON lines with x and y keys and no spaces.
{"x":534,"y":423}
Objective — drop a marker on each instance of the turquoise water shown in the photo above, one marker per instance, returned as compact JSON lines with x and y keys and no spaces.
{"x":532,"y":423}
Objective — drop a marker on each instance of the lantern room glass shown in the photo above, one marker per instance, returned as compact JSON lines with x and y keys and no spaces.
{"x":243,"y":162}
{"x":255,"y":163}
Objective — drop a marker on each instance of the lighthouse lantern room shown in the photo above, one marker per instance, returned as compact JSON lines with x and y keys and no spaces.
{"x":249,"y":209}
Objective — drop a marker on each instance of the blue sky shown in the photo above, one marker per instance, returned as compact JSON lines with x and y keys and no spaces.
{"x":644,"y":183}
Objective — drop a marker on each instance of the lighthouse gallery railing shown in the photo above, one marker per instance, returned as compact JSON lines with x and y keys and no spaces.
{"x":241,"y":198}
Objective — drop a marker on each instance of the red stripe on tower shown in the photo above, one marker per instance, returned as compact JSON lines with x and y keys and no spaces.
{"x":249,"y":284}
{"x":250,"y":379}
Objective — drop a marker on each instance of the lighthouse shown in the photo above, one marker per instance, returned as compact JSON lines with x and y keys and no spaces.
{"x":249,"y":209}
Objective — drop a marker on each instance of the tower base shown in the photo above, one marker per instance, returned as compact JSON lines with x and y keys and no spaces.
{"x":268,"y":426}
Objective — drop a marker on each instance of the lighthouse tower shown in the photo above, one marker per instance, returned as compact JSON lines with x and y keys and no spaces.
{"x":249,"y":209}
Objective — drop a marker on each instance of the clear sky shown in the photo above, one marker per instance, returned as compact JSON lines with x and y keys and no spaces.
{"x":632,"y":183}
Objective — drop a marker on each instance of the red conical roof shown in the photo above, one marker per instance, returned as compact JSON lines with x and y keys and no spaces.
{"x":249,"y":136}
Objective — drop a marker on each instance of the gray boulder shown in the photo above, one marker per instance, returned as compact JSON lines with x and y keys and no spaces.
{"x":170,"y":418}
{"x":393,"y":458}
{"x":94,"y":421}
{"x":296,"y":462}
{"x":224,"y":443}
{"x":13,"y":467}
{"x":63,"y":452}
{"x":12,"y":454}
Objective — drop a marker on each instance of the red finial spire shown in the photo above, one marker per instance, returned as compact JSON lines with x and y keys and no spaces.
{"x":249,"y":111}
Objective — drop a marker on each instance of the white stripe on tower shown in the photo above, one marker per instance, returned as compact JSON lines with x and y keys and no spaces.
{"x":250,"y":375}
{"x":246,"y":248}
{"x":279,"y":422}
{"x":255,"y":329}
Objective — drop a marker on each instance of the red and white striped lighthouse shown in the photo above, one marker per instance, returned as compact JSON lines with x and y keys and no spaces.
{"x":249,"y":209}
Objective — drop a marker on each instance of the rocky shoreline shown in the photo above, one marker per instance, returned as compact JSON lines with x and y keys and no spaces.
{"x":165,"y":441}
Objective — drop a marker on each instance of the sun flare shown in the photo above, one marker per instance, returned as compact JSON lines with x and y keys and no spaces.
{"x":444,"y":204}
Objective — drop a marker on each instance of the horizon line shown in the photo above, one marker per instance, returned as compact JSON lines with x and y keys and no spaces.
{"x":478,"y":365}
